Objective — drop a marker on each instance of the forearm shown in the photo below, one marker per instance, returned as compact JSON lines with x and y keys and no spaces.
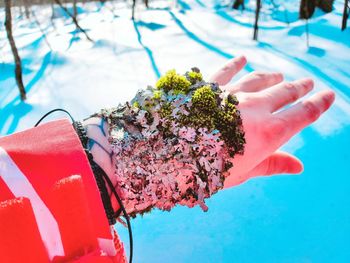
{"x":170,"y":145}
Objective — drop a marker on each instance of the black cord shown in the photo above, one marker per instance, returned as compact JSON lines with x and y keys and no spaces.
{"x":52,"y":111}
{"x":97,"y":170}
{"x":110,"y":184}
{"x":101,"y":177}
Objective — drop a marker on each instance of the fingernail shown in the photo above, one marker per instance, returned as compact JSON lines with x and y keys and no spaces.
{"x":327,"y":97}
{"x":330,"y":96}
{"x":308,"y":81}
{"x":243,"y":59}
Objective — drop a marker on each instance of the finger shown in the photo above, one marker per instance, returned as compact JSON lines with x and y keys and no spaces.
{"x":277,"y":163}
{"x":306,"y":112}
{"x":256,"y":81}
{"x":226,"y":73}
{"x":286,"y":93}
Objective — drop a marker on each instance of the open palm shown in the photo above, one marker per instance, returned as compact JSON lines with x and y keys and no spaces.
{"x":266,"y":123}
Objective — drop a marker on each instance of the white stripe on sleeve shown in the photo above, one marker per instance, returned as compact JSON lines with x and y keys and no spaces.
{"x":20,"y":186}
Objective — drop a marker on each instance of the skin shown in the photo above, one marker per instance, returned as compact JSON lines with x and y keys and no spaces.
{"x":261,"y":97}
{"x":267,"y":125}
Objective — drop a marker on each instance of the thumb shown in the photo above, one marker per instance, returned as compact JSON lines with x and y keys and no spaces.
{"x":278,"y":163}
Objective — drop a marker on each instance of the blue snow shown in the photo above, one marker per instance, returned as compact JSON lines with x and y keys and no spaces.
{"x":282,"y":219}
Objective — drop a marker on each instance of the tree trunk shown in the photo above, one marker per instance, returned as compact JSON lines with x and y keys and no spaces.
{"x":41,"y":30}
{"x":75,"y":11}
{"x":325,"y":5}
{"x":133,"y":9}
{"x":307,"y":8}
{"x":237,"y":4}
{"x":18,"y":69}
{"x":26,"y":8}
{"x":256,"y":24}
{"x":52,"y":9}
{"x":345,"y":15}
{"x":75,"y":21}
{"x":20,"y":6}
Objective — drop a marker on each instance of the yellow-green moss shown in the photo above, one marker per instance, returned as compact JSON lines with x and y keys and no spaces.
{"x":228,"y":122}
{"x":205,"y":111}
{"x":194,"y":77}
{"x":173,"y":81}
{"x":136,"y":104}
{"x":165,"y":110}
{"x":157,"y":94}
{"x":199,"y":120}
{"x":204,"y":100}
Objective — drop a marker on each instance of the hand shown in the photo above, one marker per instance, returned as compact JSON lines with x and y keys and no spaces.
{"x":261,"y":96}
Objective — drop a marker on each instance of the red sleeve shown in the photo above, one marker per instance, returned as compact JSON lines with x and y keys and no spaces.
{"x":47,"y":154}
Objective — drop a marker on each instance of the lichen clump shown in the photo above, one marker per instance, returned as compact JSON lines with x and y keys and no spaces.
{"x":208,"y":109}
{"x":173,"y":143}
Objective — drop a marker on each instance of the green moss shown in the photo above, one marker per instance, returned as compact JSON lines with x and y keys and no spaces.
{"x":173,"y":81}
{"x":194,"y":77}
{"x":204,"y":100}
{"x":205,"y":111}
{"x":198,"y":120}
{"x":166,"y":110}
{"x":136,"y":104}
{"x":157,"y":94}
{"x":228,"y":122}
{"x":232,"y":100}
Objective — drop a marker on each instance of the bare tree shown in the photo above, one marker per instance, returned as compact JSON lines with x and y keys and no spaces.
{"x":307,"y":9}
{"x":146,"y":2}
{"x":75,"y":11}
{"x":41,"y":30}
{"x":18,"y":68}
{"x":133,"y":9}
{"x":256,"y":24}
{"x":26,"y":8}
{"x":238,"y":4}
{"x":307,"y":32}
{"x":325,"y":5}
{"x":52,"y":5}
{"x":345,"y":15}
{"x":75,"y":21}
{"x":20,"y":8}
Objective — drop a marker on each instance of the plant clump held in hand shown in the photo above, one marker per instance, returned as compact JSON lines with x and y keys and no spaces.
{"x":172,"y":81}
{"x":173,"y":143}
{"x":194,"y":76}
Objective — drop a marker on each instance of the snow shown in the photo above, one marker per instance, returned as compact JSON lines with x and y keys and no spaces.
{"x":280,"y":219}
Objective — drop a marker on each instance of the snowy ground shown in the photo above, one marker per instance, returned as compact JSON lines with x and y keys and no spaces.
{"x":282,"y":219}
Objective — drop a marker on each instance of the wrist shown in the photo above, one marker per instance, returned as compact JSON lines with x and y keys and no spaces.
{"x":98,"y":145}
